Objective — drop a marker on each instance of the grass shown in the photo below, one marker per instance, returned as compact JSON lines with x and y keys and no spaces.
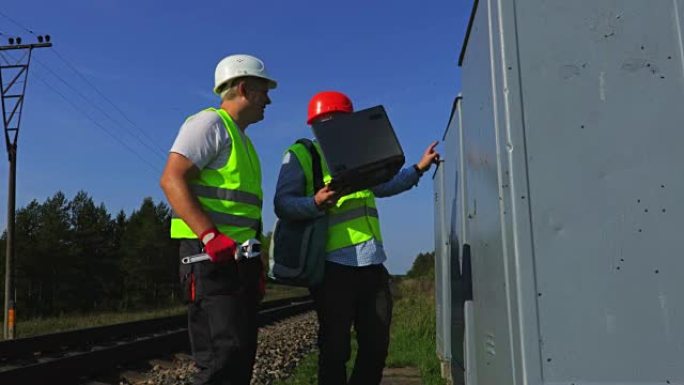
{"x":412,"y":336}
{"x":413,"y":331}
{"x":46,"y":325}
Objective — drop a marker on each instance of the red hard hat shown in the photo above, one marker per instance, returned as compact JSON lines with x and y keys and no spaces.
{"x":328,"y":101}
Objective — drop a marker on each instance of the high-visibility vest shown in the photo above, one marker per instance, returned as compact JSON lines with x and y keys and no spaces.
{"x":354,"y":219}
{"x":230,"y":195}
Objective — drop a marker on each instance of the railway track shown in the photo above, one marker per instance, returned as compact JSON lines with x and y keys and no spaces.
{"x":70,"y":357}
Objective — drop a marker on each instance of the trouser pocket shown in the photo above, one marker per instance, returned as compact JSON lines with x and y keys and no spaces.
{"x":205,"y":278}
{"x":189,"y":287}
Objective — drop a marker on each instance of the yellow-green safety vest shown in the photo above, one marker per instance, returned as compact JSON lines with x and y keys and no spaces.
{"x":230,"y":195}
{"x":354,"y":219}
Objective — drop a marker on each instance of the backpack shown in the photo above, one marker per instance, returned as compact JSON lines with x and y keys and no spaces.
{"x":297,"y":250}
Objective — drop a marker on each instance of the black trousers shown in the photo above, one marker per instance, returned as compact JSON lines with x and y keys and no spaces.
{"x":358,"y":296}
{"x":222,"y":307}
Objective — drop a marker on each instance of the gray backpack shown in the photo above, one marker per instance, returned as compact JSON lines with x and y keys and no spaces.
{"x":297,"y":252}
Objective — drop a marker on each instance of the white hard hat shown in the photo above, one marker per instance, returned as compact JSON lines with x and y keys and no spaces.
{"x":235,"y":66}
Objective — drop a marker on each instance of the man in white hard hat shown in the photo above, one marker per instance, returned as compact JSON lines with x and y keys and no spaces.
{"x":212,"y":181}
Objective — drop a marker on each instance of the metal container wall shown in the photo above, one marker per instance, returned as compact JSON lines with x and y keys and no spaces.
{"x":448,"y":225}
{"x":442,"y":304}
{"x":571,"y":134}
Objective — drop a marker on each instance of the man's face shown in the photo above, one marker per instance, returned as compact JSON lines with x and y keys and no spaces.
{"x":256,"y":95}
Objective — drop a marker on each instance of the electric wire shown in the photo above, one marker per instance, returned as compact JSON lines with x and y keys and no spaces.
{"x":17,"y":23}
{"x":103,"y":96}
{"x":154,"y":150}
{"x":92,"y":120}
{"x":157,"y":150}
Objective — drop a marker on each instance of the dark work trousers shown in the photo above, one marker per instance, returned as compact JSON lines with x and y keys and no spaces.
{"x":358,"y":296}
{"x":221,"y":316}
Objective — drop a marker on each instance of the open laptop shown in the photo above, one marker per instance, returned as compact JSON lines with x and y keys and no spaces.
{"x":361,"y":149}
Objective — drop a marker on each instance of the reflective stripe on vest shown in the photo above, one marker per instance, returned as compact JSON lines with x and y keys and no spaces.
{"x":229,"y":220}
{"x":231,"y":195}
{"x":226,"y":194}
{"x":354,"y":219}
{"x":339,"y":217}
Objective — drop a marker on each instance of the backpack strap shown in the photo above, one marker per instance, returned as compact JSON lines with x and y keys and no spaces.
{"x":316,"y":163}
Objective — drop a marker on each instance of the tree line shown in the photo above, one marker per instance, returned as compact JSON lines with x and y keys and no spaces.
{"x":74,"y":256}
{"x":423,"y":266}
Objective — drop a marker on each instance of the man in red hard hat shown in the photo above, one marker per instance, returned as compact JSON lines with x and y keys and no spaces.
{"x":355,"y":289}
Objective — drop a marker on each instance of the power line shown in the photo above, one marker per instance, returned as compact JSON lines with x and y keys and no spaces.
{"x":17,"y":24}
{"x":73,"y":68}
{"x":154,"y":150}
{"x":96,"y":123}
{"x":101,"y":127}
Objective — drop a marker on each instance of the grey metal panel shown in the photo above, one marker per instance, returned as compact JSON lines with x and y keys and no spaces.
{"x":515,"y":203}
{"x":453,"y":187}
{"x":577,"y":105}
{"x":470,"y":344}
{"x":602,"y":92}
{"x":491,"y":311}
{"x":442,"y":307}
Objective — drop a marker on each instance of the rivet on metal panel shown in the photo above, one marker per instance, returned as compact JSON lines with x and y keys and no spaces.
{"x":645,"y":210}
{"x":663,"y":210}
{"x":638,"y":200}
{"x":618,"y":268}
{"x":582,"y":126}
{"x":657,"y":271}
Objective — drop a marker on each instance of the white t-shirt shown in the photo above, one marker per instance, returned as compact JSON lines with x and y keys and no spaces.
{"x":204,"y":140}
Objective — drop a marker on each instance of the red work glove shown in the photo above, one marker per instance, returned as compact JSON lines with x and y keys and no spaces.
{"x":219,"y":247}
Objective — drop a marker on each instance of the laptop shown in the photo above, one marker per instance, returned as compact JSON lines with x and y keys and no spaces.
{"x":361,"y":149}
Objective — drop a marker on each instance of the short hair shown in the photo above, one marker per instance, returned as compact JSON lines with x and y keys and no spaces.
{"x":229,"y":90}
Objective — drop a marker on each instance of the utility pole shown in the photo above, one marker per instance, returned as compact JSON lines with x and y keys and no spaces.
{"x":12,"y":96}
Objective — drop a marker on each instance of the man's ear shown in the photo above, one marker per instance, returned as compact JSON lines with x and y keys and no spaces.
{"x":242,"y":88}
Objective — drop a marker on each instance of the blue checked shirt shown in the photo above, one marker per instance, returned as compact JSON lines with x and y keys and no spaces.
{"x":292,"y":203}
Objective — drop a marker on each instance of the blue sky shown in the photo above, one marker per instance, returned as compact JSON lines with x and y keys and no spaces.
{"x":154,"y":61}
